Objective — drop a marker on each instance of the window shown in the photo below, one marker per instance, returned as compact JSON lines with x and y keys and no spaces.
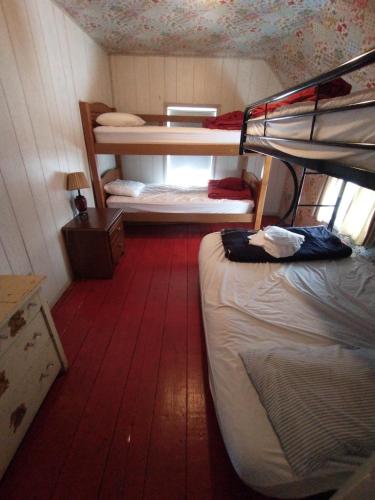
{"x":355,"y":212}
{"x":189,"y":170}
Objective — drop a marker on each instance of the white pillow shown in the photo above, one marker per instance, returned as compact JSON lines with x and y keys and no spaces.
{"x":120,"y":120}
{"x":120,"y":187}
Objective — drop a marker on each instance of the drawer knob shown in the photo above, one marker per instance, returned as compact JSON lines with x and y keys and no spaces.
{"x":31,"y":305}
{"x":46,"y":374}
{"x":4,"y":336}
{"x":36,"y":335}
{"x":28,"y":345}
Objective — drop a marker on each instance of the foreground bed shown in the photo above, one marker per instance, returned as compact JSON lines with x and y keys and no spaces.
{"x":254,"y":305}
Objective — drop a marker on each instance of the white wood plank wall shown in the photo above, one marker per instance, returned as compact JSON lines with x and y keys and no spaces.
{"x":145,"y":84}
{"x":47,"y":65}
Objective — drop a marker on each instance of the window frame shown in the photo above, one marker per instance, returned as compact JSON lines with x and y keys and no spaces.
{"x":190,"y":105}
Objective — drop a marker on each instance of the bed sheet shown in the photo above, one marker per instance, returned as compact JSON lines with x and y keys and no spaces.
{"x":150,"y":134}
{"x":161,"y":198}
{"x":254,"y":305}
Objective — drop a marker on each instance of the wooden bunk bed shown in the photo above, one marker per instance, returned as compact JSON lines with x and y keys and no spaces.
{"x":89,"y":114}
{"x":303,"y":134}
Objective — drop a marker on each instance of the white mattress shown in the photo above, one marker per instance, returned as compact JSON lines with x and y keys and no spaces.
{"x":250,"y":305}
{"x":161,"y":198}
{"x":150,"y":134}
{"x":344,"y":126}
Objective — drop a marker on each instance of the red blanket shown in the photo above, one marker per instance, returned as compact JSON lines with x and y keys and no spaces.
{"x":335,"y":88}
{"x":229,"y":121}
{"x":233,"y":183}
{"x":217,"y":193}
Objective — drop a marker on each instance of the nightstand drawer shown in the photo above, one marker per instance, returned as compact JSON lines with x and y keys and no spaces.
{"x":116,"y":235}
{"x":117,"y":247}
{"x":116,"y":230}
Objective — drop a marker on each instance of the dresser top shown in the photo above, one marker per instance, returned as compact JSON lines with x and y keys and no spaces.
{"x":97,"y":219}
{"x":15,"y":289}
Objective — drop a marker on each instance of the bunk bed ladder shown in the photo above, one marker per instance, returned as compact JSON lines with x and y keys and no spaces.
{"x":335,"y":207}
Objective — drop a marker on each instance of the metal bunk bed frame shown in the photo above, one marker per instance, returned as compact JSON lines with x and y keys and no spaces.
{"x":329,"y":167}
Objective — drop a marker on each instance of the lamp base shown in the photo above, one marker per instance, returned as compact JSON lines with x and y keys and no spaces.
{"x":81,"y":204}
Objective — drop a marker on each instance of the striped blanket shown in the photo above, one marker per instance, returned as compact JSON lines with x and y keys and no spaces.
{"x":320,"y":401}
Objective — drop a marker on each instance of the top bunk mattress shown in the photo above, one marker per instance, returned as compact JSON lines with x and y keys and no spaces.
{"x":162,"y":198}
{"x":355,"y":125}
{"x":150,"y":134}
{"x":254,"y":305}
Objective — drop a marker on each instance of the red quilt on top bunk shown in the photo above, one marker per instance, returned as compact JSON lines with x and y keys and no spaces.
{"x":228,"y":121}
{"x":335,"y":88}
{"x":234,"y":119}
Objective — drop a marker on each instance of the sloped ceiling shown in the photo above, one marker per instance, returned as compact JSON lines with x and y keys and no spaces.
{"x":300,"y":38}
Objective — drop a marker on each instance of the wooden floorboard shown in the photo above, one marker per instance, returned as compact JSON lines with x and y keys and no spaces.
{"x":125,"y":468}
{"x":133,"y":417}
{"x":199,"y":484}
{"x":166,"y":478}
{"x":85,"y":462}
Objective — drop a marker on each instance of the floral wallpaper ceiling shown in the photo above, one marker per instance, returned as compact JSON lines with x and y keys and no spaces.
{"x":300,"y":38}
{"x":341,"y":30}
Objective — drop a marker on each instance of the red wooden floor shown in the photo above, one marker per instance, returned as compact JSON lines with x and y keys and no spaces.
{"x":132,"y":418}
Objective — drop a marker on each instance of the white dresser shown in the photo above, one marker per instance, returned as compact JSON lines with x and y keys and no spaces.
{"x":31,"y":356}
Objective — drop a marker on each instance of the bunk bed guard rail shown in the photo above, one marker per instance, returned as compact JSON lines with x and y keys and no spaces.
{"x":358,"y":175}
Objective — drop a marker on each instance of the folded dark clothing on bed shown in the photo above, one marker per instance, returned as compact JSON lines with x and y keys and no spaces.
{"x":217,"y":193}
{"x":319,"y":244}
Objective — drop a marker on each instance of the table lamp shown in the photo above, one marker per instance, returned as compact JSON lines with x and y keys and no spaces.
{"x":77,"y":180}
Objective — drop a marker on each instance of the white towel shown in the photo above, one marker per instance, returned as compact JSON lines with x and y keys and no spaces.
{"x":277,"y":241}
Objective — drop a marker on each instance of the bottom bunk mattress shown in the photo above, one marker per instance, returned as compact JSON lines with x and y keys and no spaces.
{"x":249,"y":306}
{"x":161,"y":198}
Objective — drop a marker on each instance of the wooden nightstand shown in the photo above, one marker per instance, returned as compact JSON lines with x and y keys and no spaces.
{"x":96,"y":243}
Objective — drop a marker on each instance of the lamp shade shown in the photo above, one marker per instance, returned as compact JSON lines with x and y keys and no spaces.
{"x":77,"y":180}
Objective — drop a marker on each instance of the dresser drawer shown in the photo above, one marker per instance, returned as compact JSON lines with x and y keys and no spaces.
{"x":116,"y":230}
{"x":25,"y":400}
{"x":116,"y":237}
{"x":15,"y":326}
{"x":25,"y":352}
{"x":117,"y":247}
